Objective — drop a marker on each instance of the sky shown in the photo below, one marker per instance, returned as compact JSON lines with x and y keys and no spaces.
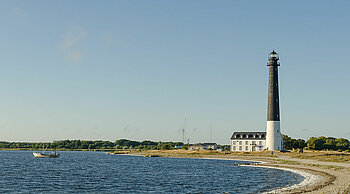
{"x":136,"y":69}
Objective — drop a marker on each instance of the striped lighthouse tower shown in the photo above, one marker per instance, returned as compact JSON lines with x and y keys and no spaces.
{"x":273,"y":132}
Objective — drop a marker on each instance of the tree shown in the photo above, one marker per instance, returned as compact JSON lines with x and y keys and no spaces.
{"x":342,"y":144}
{"x":126,"y":142}
{"x":287,"y":142}
{"x":166,"y":147}
{"x":299,"y":144}
{"x":315,"y":143}
{"x":330,"y":143}
{"x":290,"y":143}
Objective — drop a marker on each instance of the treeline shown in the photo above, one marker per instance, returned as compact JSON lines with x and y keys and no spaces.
{"x":290,"y":143}
{"x":328,"y":143}
{"x":147,"y":145}
{"x":81,"y":144}
{"x":317,"y":143}
{"x":64,"y":144}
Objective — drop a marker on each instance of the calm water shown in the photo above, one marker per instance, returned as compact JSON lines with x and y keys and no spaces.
{"x":79,"y":172}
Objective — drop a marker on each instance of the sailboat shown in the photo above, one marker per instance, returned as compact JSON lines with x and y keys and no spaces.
{"x":46,"y":154}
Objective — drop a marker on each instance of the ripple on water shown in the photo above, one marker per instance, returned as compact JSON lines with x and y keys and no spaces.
{"x":77,"y":172}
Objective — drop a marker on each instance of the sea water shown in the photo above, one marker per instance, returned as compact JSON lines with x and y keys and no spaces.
{"x":97,"y":172}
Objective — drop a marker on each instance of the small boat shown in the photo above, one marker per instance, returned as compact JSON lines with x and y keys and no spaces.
{"x":52,"y":154}
{"x":45,"y":154}
{"x":152,"y":155}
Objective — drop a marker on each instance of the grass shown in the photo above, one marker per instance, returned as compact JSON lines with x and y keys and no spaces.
{"x":339,"y":168}
{"x":288,"y":162}
{"x":120,"y":152}
{"x":326,"y":156}
{"x":347,"y":190}
{"x":201,"y":153}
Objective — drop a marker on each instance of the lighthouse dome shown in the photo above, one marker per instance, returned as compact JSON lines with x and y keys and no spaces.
{"x":273,"y":54}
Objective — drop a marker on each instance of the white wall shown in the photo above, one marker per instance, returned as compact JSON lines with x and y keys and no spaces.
{"x":273,"y":136}
{"x":247,"y":145}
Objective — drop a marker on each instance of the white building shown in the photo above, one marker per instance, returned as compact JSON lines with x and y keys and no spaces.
{"x":203,"y":146}
{"x":248,"y":141}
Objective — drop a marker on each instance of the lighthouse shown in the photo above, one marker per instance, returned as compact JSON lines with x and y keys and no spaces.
{"x":273,"y":132}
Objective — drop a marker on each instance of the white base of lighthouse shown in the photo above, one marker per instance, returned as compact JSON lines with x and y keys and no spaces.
{"x":273,"y":136}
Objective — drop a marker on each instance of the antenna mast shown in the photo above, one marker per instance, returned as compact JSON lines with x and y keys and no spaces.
{"x":183,"y":135}
{"x":211,"y":133}
{"x":183,"y":132}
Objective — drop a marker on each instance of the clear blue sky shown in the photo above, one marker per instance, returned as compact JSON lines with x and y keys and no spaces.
{"x":134,"y":69}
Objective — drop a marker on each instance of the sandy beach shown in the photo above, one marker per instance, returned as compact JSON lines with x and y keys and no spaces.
{"x":309,"y":180}
{"x":319,"y":176}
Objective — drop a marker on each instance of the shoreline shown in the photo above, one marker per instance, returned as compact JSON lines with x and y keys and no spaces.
{"x":309,"y":178}
{"x":317,"y":178}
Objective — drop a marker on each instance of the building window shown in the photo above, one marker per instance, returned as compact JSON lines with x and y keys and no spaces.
{"x":233,"y":143}
{"x":260,"y":142}
{"x":253,"y":142}
{"x":233,"y":147}
{"x":240,"y":143}
{"x":246,"y":142}
{"x":246,"y":148}
{"x":240,"y":148}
